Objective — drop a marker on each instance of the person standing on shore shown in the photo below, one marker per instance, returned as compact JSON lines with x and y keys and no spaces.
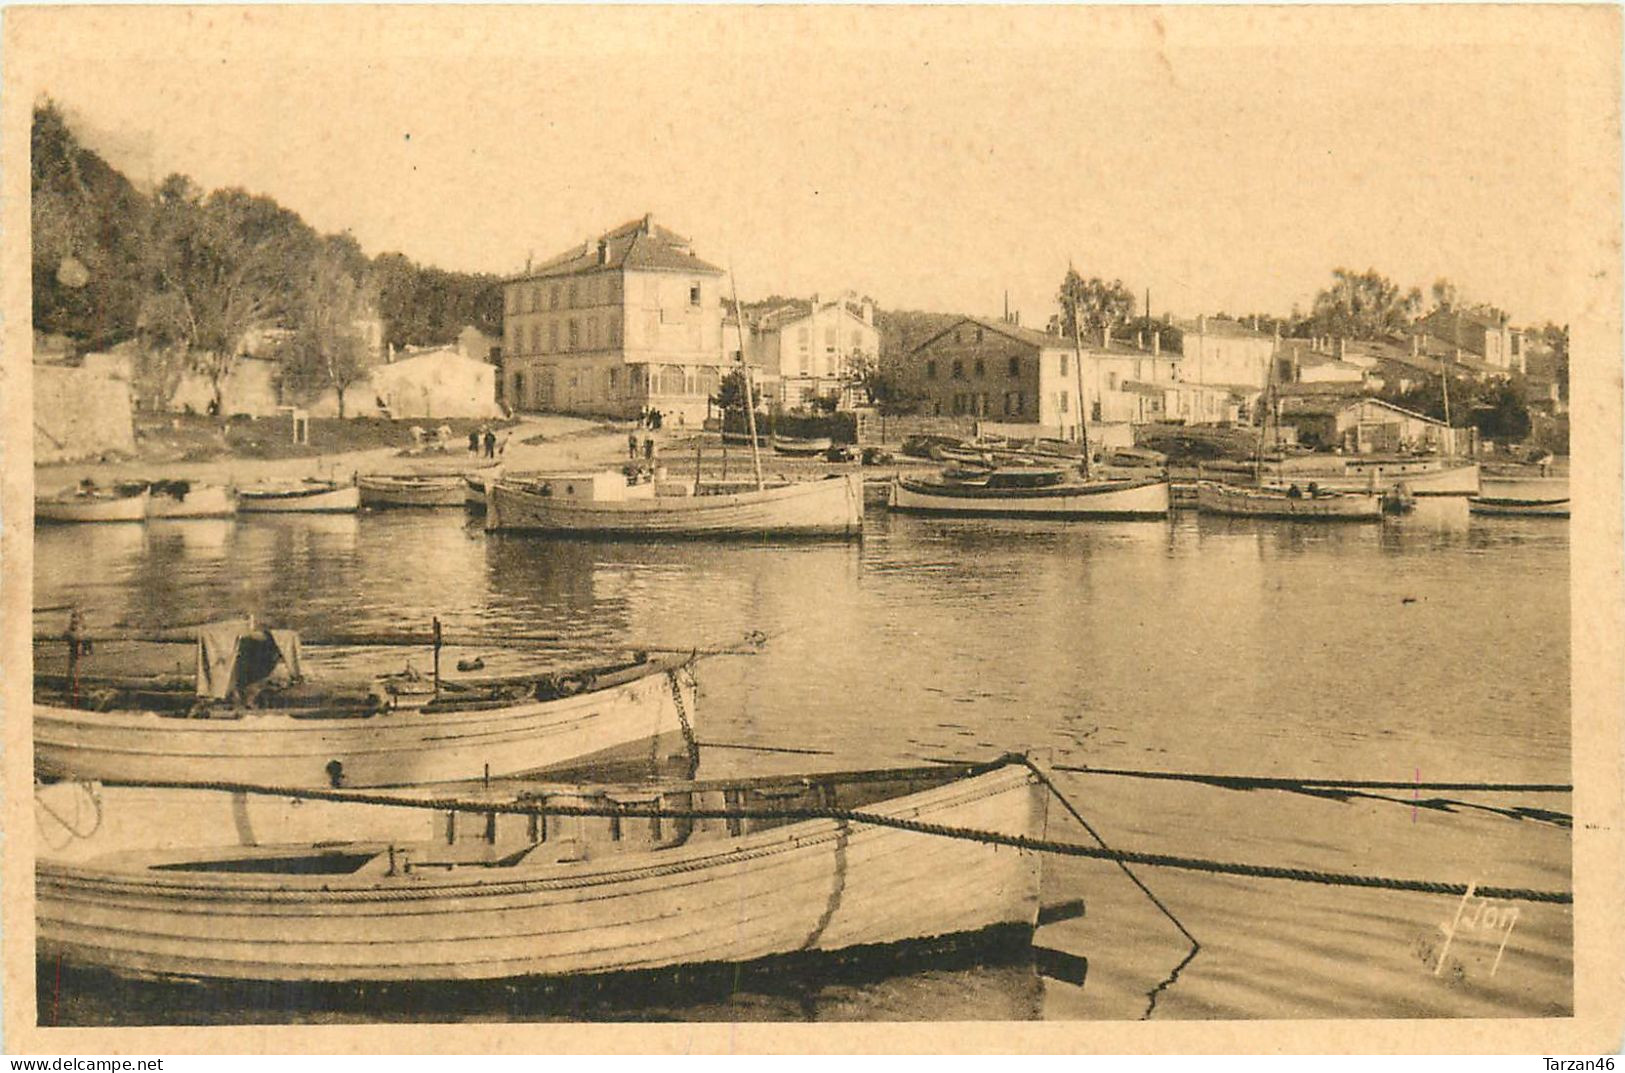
{"x":490,"y":443}
{"x":474,"y":442}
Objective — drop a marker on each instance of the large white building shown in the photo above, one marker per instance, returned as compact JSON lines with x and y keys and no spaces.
{"x":628,"y":320}
{"x":810,"y":349}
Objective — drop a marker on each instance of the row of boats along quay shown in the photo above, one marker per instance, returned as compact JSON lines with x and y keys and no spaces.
{"x":336,"y":822}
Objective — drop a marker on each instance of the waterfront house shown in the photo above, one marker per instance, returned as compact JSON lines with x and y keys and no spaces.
{"x":1218,"y":350}
{"x":432,"y":382}
{"x":1482,"y":334}
{"x":811,"y":349}
{"x":626,"y":321}
{"x":1327,"y":415}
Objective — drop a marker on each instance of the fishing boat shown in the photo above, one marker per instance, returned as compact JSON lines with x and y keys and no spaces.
{"x":1305,"y":504}
{"x":1416,"y":476}
{"x":379,"y":490}
{"x":175,"y":499}
{"x":310,"y":496}
{"x":249,"y":715}
{"x":1030,"y":491}
{"x":89,"y":504}
{"x":608,"y":504}
{"x":801,"y":448}
{"x":574,"y":881}
{"x":474,"y":492}
{"x":1534,"y":497}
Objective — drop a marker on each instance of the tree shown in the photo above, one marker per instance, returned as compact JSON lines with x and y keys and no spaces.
{"x":1501,"y":414}
{"x":1092,"y":304}
{"x":326,"y":347}
{"x":1363,"y":305}
{"x":87,"y":224}
{"x":731,"y":393}
{"x":222,"y":266}
{"x":1445,"y":295}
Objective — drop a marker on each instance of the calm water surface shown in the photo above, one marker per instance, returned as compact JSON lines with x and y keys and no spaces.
{"x":1432,"y":647}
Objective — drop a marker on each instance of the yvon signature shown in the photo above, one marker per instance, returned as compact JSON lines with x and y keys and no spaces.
{"x":1482,"y":918}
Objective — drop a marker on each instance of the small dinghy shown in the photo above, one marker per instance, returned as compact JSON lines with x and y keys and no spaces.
{"x":310,"y":496}
{"x":87,"y":503}
{"x":380,"y":490}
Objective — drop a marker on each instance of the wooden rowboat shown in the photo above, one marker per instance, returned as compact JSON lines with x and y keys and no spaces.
{"x":92,"y":506}
{"x":799,"y":448}
{"x":1031,"y":492}
{"x":1213,"y":497}
{"x":604,"y":504}
{"x":1417,"y":477}
{"x":310,"y":496}
{"x":551,"y":893}
{"x":411,"y":490}
{"x":302,"y":735}
{"x":474,"y":492}
{"x":1524,"y":508}
{"x":184,"y":499}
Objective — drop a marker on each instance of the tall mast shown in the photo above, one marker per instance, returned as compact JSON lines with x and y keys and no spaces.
{"x":1077,"y":361}
{"x":1449,"y":433}
{"x":744,"y":374}
{"x":1264,"y":418}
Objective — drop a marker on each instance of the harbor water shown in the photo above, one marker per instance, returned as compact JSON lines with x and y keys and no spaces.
{"x":1432,"y":647}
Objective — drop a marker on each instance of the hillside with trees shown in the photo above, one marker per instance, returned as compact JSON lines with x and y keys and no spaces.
{"x":195,"y":277}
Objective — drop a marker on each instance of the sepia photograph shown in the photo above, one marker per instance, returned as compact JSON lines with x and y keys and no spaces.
{"x":756,"y":517}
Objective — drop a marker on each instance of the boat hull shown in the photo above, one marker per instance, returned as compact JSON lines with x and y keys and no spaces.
{"x":1105,"y":500}
{"x":419,"y":492}
{"x":805,"y":886}
{"x":343,"y":499}
{"x":91,"y":509}
{"x":827,"y":508}
{"x":399,"y":748}
{"x":1418,"y":479}
{"x":800,"y":448}
{"x":202,"y":501}
{"x":1224,"y":499}
{"x":1523,"y":508}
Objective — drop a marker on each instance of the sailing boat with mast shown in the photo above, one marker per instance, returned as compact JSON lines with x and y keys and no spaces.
{"x":609,"y":504}
{"x":1308,"y":503}
{"x":1037,"y":491}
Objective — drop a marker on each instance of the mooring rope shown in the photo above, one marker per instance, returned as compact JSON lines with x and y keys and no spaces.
{"x":1196,"y":946}
{"x":690,"y":745}
{"x":1252,"y":782}
{"x":901,"y":823}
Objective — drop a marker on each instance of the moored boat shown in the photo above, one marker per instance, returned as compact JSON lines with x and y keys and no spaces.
{"x":1307,"y":504}
{"x":474,"y":492}
{"x":1524,"y":508}
{"x":582,"y":880}
{"x":1418,"y":477}
{"x":310,"y":496}
{"x":800,"y":448}
{"x":379,"y":490}
{"x":606,"y":504}
{"x":1029,"y":491}
{"x":86,"y":504}
{"x":185,"y":499}
{"x":250,"y":716}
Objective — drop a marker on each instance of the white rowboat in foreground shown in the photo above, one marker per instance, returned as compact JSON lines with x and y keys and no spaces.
{"x":500,"y":895}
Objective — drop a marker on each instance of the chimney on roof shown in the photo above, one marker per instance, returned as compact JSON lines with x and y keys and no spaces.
{"x":1139,"y":340}
{"x":648,"y":223}
{"x":815,"y":301}
{"x":529,"y":256}
{"x":1156,"y":344}
{"x":1342,"y":347}
{"x":1017,"y":315}
{"x":603,"y":251}
{"x":1201,"y":324}
{"x":1255,"y":322}
{"x":1106,"y":336}
{"x":868,"y":311}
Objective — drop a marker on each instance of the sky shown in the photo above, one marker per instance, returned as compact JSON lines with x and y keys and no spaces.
{"x":1226,"y":160}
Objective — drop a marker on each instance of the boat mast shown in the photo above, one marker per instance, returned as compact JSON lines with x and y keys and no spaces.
{"x":1264,"y":420}
{"x":1077,"y":347}
{"x":1449,"y":433}
{"x":744,"y":375}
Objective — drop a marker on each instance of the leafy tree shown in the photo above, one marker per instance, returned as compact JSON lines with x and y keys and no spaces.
{"x":1363,"y":305}
{"x":326,"y":347}
{"x":1427,"y":398}
{"x":87,"y":226}
{"x":883,"y":387}
{"x":731,"y":392}
{"x":1501,"y":413}
{"x":222,"y":266}
{"x":1445,"y":295}
{"x":1092,"y":304}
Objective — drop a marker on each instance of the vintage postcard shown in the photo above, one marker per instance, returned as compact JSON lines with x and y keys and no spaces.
{"x":823,"y":528}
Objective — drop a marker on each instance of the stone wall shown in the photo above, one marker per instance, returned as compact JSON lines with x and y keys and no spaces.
{"x":79,"y":413}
